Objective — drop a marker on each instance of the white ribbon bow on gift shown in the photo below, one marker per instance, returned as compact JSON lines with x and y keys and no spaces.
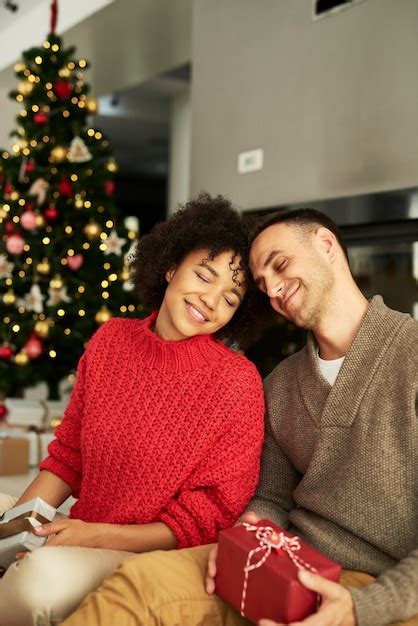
{"x":289,"y":545}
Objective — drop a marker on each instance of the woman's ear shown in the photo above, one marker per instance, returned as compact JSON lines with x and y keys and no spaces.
{"x":169,"y":274}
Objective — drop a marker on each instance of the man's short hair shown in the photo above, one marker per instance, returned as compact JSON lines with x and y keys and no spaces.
{"x":304,"y":218}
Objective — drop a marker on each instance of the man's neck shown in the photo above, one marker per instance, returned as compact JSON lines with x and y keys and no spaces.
{"x":337,"y":329}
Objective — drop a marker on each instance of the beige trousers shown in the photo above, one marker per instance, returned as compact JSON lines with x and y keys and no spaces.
{"x":50,"y":582}
{"x":167,"y":589}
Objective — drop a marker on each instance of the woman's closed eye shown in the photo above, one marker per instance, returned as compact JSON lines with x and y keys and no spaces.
{"x":202,"y":277}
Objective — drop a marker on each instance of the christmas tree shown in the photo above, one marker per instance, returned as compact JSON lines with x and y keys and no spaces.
{"x":64,"y":256}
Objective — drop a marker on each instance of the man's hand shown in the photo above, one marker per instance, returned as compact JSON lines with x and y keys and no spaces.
{"x":72,"y":532}
{"x":250,"y":518}
{"x":336,"y":608}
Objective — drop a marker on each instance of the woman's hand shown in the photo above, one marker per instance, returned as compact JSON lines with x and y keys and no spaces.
{"x":73,"y":532}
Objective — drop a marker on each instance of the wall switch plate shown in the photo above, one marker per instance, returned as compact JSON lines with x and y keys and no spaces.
{"x":250,"y":161}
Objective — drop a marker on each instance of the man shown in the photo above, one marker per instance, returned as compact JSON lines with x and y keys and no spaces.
{"x":340,"y":463}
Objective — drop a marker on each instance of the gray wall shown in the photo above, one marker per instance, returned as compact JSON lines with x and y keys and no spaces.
{"x":333,"y":103}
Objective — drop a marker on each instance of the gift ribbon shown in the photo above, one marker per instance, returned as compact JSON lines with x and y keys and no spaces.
{"x":289,"y":545}
{"x":20,"y":524}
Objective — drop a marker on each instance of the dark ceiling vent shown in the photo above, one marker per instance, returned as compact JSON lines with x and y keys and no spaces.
{"x":322,"y":8}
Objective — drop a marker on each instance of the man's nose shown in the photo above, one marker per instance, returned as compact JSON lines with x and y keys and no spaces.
{"x":273,"y":288}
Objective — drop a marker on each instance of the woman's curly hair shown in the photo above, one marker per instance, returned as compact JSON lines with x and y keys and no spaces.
{"x":208,"y":223}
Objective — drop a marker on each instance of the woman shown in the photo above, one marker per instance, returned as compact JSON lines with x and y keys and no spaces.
{"x":161,"y":440}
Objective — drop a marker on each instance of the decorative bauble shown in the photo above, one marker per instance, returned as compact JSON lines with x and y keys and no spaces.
{"x":39,"y":188}
{"x":78,"y":151}
{"x":3,"y":412}
{"x":30,"y":166}
{"x":92,"y":230}
{"x":56,"y":282}
{"x":6,"y":352}
{"x":21,"y":358}
{"x":28,"y":220}
{"x":41,"y":328}
{"x":9,"y":298}
{"x":75,"y":262}
{"x":43,"y":267}
{"x":8,"y":188}
{"x":33,"y":347}
{"x":25,"y":87}
{"x":40,"y":220}
{"x":51,"y":214}
{"x":9,"y":227}
{"x":40,"y":118}
{"x":62,"y":89}
{"x":65,"y":188}
{"x":109,"y":187}
{"x":103,"y":315}
{"x":111,"y":166}
{"x":92,"y":105}
{"x":15,"y":244}
{"x":58,"y":154}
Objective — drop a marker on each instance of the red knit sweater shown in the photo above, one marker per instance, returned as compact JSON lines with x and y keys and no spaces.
{"x":160,"y":430}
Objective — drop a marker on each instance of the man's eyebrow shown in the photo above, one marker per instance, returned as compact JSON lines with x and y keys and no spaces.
{"x":271,"y":256}
{"x":210,"y":268}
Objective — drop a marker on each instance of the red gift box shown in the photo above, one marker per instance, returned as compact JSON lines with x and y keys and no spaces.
{"x":257,"y":573}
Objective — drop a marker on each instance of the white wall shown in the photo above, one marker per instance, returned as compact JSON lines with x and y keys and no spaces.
{"x":333,"y":103}
{"x":180,"y":147}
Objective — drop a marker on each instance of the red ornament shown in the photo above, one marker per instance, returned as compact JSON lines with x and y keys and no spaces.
{"x":51,"y":214}
{"x":75,"y":262}
{"x":65,"y":188}
{"x":62,"y":89}
{"x":9,"y":227}
{"x":30,"y":166}
{"x":40,"y":118}
{"x":3,"y":412}
{"x":6,"y":352}
{"x":33,"y":347}
{"x":110,"y":187}
{"x":8,"y":188}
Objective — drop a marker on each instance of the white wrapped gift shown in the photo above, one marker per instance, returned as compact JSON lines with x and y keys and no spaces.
{"x":43,"y":414}
{"x":16,"y":526}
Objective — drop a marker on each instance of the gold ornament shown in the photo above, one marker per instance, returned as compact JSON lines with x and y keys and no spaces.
{"x":25,"y":87}
{"x":21,"y":358}
{"x":43,"y":267}
{"x":9,"y":297}
{"x":56,"y":282}
{"x":58,"y":154}
{"x":92,"y":230}
{"x":40,"y":220}
{"x":92,"y":105}
{"x":42,"y":328}
{"x":103,"y":315}
{"x":124,"y":275}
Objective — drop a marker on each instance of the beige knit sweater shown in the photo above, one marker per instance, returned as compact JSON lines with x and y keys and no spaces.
{"x":340,"y":464}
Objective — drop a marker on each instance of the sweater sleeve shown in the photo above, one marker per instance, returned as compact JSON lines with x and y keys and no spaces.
{"x":278,"y":480}
{"x":64,"y":458}
{"x":216,"y":493}
{"x":393,"y":597}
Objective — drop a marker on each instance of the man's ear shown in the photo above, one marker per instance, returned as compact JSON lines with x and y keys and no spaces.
{"x":327,"y":242}
{"x":170,"y":273}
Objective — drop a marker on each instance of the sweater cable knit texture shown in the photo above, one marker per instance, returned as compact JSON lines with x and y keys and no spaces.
{"x":160,"y":430}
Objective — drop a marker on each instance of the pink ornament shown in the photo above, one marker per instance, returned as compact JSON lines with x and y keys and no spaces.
{"x":28,"y":220}
{"x":75,"y":262}
{"x":15,"y":244}
{"x":33,"y":347}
